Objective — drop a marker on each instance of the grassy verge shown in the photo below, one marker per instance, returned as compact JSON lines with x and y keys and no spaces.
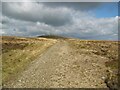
{"x":19,"y":52}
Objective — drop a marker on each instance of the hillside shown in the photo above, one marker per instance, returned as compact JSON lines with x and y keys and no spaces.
{"x":18,"y":52}
{"x":52,"y":37}
{"x":50,"y":62}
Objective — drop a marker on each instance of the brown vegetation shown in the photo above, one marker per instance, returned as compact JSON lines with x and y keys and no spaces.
{"x":18,"y":52}
{"x":108,"y":49}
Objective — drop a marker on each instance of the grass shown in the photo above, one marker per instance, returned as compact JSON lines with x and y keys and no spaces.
{"x":17,"y":53}
{"x":108,"y":49}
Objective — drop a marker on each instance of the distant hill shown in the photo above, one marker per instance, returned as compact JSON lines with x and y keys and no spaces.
{"x":52,"y":36}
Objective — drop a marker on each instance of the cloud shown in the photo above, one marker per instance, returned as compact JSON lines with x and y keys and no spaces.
{"x":33,"y":19}
{"x":74,"y":5}
{"x":61,"y":1}
{"x":92,"y":29}
{"x":37,"y":12}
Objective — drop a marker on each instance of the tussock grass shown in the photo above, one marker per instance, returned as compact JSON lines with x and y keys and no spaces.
{"x":107,"y":49}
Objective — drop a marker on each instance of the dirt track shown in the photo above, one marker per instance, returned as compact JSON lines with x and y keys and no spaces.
{"x":61,"y":66}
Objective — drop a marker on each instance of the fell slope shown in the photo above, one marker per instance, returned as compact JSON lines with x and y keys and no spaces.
{"x":67,"y":63}
{"x":64,"y":66}
{"x":18,"y":52}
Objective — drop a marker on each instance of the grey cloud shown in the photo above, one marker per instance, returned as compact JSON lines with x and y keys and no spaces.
{"x":74,"y":5}
{"x":37,"y":12}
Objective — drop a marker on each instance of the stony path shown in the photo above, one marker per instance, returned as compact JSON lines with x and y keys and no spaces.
{"x":61,"y":66}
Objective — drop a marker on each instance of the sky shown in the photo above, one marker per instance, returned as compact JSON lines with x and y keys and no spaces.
{"x":84,"y":20}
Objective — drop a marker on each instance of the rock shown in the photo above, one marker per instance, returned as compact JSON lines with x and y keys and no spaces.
{"x":19,"y":80}
{"x":103,"y":78}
